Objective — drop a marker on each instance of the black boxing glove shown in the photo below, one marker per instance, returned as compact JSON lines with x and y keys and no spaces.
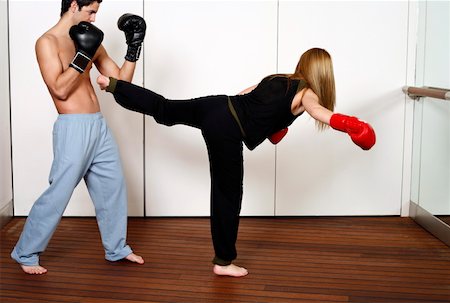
{"x":87,"y":39}
{"x":134,"y":28}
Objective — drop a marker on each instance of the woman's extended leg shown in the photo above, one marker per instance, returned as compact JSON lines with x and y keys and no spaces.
{"x":168,"y":112}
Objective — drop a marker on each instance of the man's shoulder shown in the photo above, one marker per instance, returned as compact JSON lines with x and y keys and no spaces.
{"x":47,"y":40}
{"x":48,"y":37}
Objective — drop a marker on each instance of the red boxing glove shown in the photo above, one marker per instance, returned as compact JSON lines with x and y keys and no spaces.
{"x":361,"y":132}
{"x":276,"y":137}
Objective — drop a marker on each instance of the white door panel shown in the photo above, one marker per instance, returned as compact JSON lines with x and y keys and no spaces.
{"x":199,"y":48}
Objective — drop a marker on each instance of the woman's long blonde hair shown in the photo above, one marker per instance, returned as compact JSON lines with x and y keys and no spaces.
{"x":316,"y":68}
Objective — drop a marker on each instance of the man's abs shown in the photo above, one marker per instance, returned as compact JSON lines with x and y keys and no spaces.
{"x":81,"y":101}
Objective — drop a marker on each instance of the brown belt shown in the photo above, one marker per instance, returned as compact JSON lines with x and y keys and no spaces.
{"x":234,"y":114}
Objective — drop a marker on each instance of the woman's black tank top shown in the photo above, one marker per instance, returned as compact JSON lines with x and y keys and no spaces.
{"x":266,"y":109}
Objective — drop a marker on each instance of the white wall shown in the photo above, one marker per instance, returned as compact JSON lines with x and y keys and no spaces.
{"x":196,"y":48}
{"x":5,"y":138}
{"x":325,"y":173}
{"x":33,"y":113}
{"x":368,"y":73}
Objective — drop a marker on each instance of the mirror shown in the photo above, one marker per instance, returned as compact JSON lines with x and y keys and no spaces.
{"x":430,"y":182}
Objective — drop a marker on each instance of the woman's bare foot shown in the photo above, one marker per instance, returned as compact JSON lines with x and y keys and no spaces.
{"x":135,"y":258}
{"x":103,"y":82}
{"x":230,"y":270}
{"x":34,"y":269}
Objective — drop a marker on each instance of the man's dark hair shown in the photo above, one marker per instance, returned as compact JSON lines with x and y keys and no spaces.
{"x":65,"y":4}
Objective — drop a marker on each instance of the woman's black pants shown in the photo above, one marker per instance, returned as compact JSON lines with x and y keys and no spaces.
{"x":224,"y":143}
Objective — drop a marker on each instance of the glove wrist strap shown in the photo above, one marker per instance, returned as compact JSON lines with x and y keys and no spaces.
{"x":133,"y":53}
{"x":337,"y":122}
{"x":80,"y":62}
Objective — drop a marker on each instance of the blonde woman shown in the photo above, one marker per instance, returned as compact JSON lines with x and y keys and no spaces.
{"x":259,"y":112}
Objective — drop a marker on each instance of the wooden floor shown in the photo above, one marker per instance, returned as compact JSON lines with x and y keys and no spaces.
{"x":332,"y":259}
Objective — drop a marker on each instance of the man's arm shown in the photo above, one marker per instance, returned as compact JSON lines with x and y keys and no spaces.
{"x":134,"y":28}
{"x":59,"y":82}
{"x":106,"y":66}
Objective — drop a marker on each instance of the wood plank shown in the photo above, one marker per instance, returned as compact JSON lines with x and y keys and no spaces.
{"x":302,"y":259}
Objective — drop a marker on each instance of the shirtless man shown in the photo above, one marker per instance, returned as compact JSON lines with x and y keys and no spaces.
{"x":83,"y":145}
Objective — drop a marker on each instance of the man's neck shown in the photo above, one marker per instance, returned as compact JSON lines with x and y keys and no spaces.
{"x":65,"y":23}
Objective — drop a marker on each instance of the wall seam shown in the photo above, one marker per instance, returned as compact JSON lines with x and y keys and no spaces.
{"x":143,"y":128}
{"x":276,"y":148}
{"x":10,"y":103}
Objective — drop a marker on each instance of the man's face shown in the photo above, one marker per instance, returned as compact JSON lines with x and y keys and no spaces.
{"x":87,"y":13}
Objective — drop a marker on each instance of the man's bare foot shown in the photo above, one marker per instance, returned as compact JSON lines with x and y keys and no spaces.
{"x":34,"y":269}
{"x":103,"y":82}
{"x":135,"y":258}
{"x":230,"y":270}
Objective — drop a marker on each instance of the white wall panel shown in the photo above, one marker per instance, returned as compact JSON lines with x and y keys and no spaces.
{"x":325,"y":173}
{"x":33,"y":113}
{"x":5,"y":136}
{"x":199,"y":48}
{"x":32,"y":109}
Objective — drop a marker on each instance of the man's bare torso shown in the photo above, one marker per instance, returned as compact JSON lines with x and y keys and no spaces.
{"x":82,"y":98}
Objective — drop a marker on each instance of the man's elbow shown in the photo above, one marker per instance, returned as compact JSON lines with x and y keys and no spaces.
{"x":60,"y":94}
{"x":125,"y":77}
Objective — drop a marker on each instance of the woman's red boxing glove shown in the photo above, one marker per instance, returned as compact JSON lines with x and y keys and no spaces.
{"x":276,"y":137}
{"x":359,"y":131}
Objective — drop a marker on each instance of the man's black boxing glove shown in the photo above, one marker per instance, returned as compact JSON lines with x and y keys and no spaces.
{"x":134,"y":28}
{"x":87,"y":39}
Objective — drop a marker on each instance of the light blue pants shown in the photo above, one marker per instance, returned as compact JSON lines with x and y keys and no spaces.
{"x":83,"y":147}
